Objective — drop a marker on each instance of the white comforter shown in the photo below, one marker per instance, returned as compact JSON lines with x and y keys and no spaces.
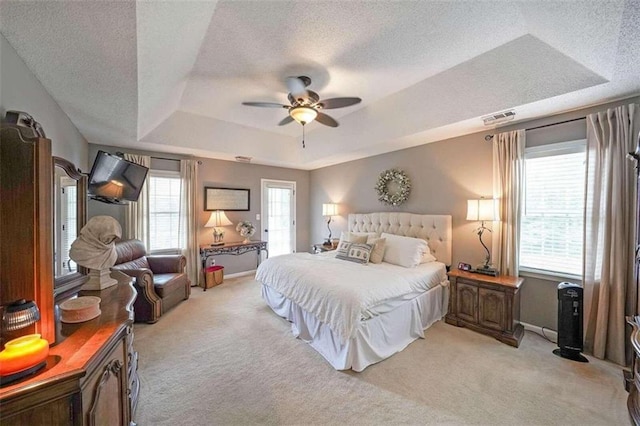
{"x":340,"y":293}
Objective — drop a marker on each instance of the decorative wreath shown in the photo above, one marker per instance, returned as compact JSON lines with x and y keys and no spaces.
{"x":403,"y":183}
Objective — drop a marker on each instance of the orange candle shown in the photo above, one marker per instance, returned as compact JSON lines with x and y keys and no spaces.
{"x":23,"y":353}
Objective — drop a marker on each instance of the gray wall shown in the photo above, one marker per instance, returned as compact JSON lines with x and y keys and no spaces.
{"x":444,"y":175}
{"x":228,"y":174}
{"x":20,"y":90}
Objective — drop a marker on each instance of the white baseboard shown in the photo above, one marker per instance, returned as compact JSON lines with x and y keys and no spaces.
{"x":551,"y":334}
{"x":240,"y":274}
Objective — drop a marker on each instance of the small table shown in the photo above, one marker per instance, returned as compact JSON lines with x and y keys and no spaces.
{"x":486,"y":304}
{"x":235,"y":248}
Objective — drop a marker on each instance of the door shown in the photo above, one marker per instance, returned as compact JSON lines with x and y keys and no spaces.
{"x":279,"y":216}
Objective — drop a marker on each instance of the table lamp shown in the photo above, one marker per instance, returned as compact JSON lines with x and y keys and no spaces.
{"x":216,"y":221}
{"x":484,"y":209}
{"x":25,"y":355}
{"x":329,"y":210}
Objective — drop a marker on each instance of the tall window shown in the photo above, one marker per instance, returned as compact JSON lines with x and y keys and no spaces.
{"x":552,"y":222}
{"x":164,"y":210}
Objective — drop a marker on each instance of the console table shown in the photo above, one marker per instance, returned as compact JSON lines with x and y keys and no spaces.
{"x":235,"y":248}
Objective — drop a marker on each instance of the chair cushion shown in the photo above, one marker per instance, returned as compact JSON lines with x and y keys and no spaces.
{"x":129,"y":250}
{"x":140,"y":263}
{"x":165,"y":284}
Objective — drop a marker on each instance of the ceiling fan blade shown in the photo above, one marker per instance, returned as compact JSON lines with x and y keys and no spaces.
{"x":326,"y":120}
{"x":265,"y":104}
{"x":296,"y":86}
{"x":288,"y":119}
{"x":339,"y":102}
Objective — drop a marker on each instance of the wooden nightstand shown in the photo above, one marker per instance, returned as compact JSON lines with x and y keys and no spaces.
{"x":486,"y":304}
{"x":321,"y":248}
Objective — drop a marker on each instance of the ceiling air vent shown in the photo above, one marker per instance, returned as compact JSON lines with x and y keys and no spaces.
{"x":243,"y":159}
{"x":499,"y":117}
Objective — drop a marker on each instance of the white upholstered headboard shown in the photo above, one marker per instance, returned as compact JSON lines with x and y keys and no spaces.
{"x":436,"y":229}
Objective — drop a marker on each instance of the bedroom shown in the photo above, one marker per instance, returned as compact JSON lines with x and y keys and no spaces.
{"x":442,"y":147}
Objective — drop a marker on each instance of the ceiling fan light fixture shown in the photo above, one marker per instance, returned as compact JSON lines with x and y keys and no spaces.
{"x":303,"y":114}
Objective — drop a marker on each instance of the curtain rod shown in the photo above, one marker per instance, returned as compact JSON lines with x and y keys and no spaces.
{"x":489,"y":137}
{"x":121,"y":154}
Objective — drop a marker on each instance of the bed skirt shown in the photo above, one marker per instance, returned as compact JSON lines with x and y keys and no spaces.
{"x":376,"y":339}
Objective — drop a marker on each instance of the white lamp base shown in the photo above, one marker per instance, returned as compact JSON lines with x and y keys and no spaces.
{"x":99,"y":279}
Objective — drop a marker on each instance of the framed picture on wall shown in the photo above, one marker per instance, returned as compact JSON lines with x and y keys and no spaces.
{"x":229,"y":199}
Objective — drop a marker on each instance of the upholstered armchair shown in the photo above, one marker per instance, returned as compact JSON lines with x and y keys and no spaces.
{"x":160,"y":281}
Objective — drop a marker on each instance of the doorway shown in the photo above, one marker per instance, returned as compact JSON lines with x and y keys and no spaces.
{"x":278,"y":206}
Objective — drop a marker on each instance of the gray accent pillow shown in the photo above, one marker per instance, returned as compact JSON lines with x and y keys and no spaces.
{"x":354,"y":252}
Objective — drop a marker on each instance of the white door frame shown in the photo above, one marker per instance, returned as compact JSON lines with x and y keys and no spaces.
{"x":264,"y":213}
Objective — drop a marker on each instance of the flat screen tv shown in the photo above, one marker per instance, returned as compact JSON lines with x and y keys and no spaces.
{"x":115,"y":180}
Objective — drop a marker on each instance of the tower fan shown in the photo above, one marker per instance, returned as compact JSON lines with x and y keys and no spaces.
{"x":570,"y":322}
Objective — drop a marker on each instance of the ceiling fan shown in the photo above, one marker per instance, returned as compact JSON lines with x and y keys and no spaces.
{"x":306,"y":104}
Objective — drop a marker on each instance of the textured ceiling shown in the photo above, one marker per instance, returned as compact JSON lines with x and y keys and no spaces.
{"x":171,"y":76}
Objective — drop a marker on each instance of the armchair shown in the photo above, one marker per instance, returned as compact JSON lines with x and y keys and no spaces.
{"x":160,"y":281}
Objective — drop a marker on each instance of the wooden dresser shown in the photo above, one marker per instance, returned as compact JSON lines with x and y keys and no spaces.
{"x":632,"y":378}
{"x":486,"y":304}
{"x":91,"y":374}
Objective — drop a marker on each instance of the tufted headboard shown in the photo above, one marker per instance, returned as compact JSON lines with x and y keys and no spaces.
{"x":436,"y":229}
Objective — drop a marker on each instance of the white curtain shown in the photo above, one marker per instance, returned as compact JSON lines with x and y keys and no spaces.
{"x":137,"y":213}
{"x":508,"y":175}
{"x":189,"y":218}
{"x":609,"y":289}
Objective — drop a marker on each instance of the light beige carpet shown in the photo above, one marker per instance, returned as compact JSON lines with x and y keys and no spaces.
{"x":223,"y":357}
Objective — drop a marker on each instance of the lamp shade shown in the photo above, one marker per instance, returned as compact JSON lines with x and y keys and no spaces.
{"x":484,"y":209}
{"x":329,"y":209}
{"x":303,"y":114}
{"x":217,"y":218}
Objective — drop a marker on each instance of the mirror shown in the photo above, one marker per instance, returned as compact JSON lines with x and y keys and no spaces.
{"x":69,"y":216}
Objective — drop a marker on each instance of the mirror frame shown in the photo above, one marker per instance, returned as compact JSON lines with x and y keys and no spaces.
{"x":68,"y":285}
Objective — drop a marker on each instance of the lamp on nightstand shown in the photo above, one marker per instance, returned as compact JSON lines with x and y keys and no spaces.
{"x":329,"y":210}
{"x":484,"y":209}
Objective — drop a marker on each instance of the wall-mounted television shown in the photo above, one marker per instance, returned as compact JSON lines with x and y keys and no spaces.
{"x":115,"y":180}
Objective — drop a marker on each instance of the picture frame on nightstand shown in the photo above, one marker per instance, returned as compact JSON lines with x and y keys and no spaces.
{"x":464,"y":266}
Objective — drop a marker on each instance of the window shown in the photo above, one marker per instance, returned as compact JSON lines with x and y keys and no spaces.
{"x":164,"y":210}
{"x":552,"y":222}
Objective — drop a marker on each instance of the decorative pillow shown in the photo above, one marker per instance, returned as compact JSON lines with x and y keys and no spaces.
{"x":354,"y":252}
{"x":366,"y":234}
{"x":427,"y":256}
{"x":404,"y":251}
{"x":350,"y":237}
{"x":377,"y":253}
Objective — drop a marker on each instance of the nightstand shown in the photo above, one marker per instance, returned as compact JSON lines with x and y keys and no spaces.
{"x":321,"y":248}
{"x":486,"y":304}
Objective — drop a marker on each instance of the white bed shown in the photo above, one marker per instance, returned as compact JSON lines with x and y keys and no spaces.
{"x":356,"y":315}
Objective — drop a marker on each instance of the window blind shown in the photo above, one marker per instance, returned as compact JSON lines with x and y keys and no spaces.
{"x":164,"y":211}
{"x":552,"y":222}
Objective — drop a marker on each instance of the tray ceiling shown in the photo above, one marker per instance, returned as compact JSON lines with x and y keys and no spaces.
{"x":170,"y":76}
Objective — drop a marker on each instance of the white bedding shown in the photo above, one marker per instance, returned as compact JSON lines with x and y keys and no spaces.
{"x":341,"y":293}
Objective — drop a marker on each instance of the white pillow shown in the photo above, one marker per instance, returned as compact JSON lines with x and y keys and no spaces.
{"x":427,"y":256}
{"x":404,"y":251}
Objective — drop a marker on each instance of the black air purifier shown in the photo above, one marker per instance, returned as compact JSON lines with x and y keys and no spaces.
{"x":570,"y":322}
